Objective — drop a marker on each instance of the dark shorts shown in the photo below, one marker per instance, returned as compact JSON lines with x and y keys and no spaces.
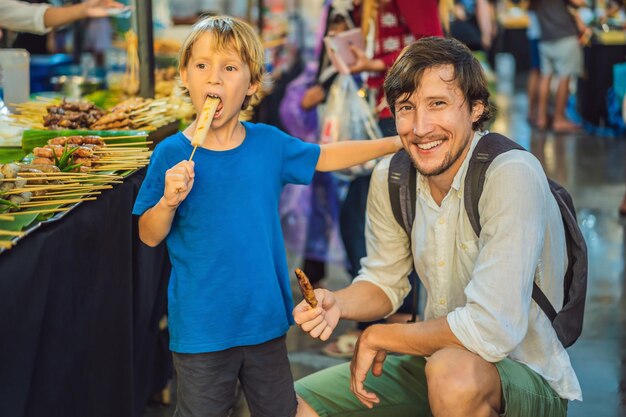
{"x":403,"y":391}
{"x":535,"y":59}
{"x":207,"y":382}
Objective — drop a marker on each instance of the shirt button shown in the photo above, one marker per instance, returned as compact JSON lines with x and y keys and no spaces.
{"x":442,"y":301}
{"x":463,"y":246}
{"x":442,"y":220}
{"x":441,"y":263}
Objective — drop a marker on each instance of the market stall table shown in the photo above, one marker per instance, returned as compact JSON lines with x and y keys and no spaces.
{"x":599,"y":58}
{"x":81,"y":303}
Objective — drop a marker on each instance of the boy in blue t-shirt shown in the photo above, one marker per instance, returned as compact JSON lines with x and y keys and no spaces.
{"x":229,"y":295}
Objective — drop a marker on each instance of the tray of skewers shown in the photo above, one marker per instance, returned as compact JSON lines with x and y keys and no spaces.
{"x":60,"y":172}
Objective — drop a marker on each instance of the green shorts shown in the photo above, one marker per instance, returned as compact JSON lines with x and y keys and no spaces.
{"x":403,"y":392}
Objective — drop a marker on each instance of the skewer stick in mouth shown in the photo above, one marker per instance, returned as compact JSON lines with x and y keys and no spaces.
{"x":203,"y":123}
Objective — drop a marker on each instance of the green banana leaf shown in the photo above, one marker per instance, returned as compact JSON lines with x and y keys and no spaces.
{"x":11,"y":154}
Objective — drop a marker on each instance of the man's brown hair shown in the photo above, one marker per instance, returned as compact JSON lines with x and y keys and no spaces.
{"x":405,"y":75}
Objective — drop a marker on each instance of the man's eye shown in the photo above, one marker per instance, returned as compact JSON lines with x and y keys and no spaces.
{"x":406,"y":107}
{"x":439,"y":103}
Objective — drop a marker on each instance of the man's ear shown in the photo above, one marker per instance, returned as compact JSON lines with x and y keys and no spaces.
{"x":477,"y":110}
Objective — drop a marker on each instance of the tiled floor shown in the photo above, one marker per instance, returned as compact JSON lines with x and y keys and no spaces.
{"x":592,"y":169}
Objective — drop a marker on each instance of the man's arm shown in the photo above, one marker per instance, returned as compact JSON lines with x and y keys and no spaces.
{"x":58,"y":16}
{"x":382,"y":283}
{"x":419,"y":339}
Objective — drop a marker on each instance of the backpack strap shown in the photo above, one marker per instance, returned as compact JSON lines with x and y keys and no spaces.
{"x":401,"y":180}
{"x":402,"y":185}
{"x":487,"y":149}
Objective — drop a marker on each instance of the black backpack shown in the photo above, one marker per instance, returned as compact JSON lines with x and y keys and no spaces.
{"x":568,"y":322}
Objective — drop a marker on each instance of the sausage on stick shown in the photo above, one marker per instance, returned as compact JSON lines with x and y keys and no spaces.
{"x":306,"y":288}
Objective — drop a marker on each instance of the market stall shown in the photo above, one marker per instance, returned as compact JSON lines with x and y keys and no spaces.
{"x":83,"y":298}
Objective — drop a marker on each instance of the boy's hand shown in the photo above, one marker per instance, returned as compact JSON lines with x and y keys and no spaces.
{"x":178,"y":183}
{"x":318,"y":322}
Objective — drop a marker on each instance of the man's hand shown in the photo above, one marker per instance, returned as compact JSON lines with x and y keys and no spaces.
{"x":318,"y":322}
{"x":100,"y":8}
{"x":365,"y":357}
{"x":178,"y":183}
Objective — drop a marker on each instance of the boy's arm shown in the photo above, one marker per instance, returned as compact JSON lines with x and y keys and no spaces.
{"x":341,"y":155}
{"x":155,"y":223}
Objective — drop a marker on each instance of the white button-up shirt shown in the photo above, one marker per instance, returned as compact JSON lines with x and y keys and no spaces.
{"x":23,"y":17}
{"x":482,"y":285}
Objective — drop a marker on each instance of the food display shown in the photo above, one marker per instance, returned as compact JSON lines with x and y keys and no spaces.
{"x":132,"y":114}
{"x":71,"y":115}
{"x":306,"y":288}
{"x":60,"y":172}
{"x":165,"y":81}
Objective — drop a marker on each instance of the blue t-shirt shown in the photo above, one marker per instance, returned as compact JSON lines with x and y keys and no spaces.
{"x":229,"y":284}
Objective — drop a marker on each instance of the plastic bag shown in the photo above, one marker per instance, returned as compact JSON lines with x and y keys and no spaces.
{"x":347,"y":117}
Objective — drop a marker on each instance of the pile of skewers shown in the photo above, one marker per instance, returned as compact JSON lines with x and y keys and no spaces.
{"x":43,"y":188}
{"x":92,"y":154}
{"x":33,"y":190}
{"x":133,"y":113}
{"x":137,"y":113}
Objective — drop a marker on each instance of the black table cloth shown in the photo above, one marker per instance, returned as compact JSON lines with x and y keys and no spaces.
{"x":80,"y":302}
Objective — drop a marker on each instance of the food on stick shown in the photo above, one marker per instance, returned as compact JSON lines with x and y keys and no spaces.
{"x":306,"y":288}
{"x":204,"y":120}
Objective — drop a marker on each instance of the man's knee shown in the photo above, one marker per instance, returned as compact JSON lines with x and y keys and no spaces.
{"x":459,"y":379}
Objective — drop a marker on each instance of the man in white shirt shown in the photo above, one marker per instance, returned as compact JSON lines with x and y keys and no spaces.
{"x":21,"y":16}
{"x":490,"y":348}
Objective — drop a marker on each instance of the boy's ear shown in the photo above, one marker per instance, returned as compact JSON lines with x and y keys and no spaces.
{"x":252,"y":88}
{"x":183,"y":77}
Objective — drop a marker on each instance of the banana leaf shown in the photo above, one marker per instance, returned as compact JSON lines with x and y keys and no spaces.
{"x":10,"y":155}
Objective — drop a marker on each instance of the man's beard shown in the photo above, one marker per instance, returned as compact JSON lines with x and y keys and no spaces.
{"x":448,"y":161}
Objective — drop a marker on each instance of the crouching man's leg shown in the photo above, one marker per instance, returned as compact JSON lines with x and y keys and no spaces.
{"x":401,"y":389}
{"x":461,"y":383}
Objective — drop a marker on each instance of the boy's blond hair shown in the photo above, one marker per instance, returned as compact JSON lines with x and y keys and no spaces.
{"x":229,"y":32}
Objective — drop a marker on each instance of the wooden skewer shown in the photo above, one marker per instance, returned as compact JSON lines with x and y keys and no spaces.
{"x":121,"y":150}
{"x":130,"y":144}
{"x":53,"y":202}
{"x":7,"y":217}
{"x":11,"y":233}
{"x":124,"y":156}
{"x":65,"y":175}
{"x":5,"y":244}
{"x":55,"y":210}
{"x":105,"y":138}
{"x":115,"y":168}
{"x":79,"y":194}
{"x":56,"y":188}
{"x":82,"y":188}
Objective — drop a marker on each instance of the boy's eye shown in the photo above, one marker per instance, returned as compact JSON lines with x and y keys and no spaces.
{"x":231,"y":68}
{"x":201,"y":66}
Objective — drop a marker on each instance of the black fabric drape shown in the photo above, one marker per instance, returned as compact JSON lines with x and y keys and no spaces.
{"x":81,"y":300}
